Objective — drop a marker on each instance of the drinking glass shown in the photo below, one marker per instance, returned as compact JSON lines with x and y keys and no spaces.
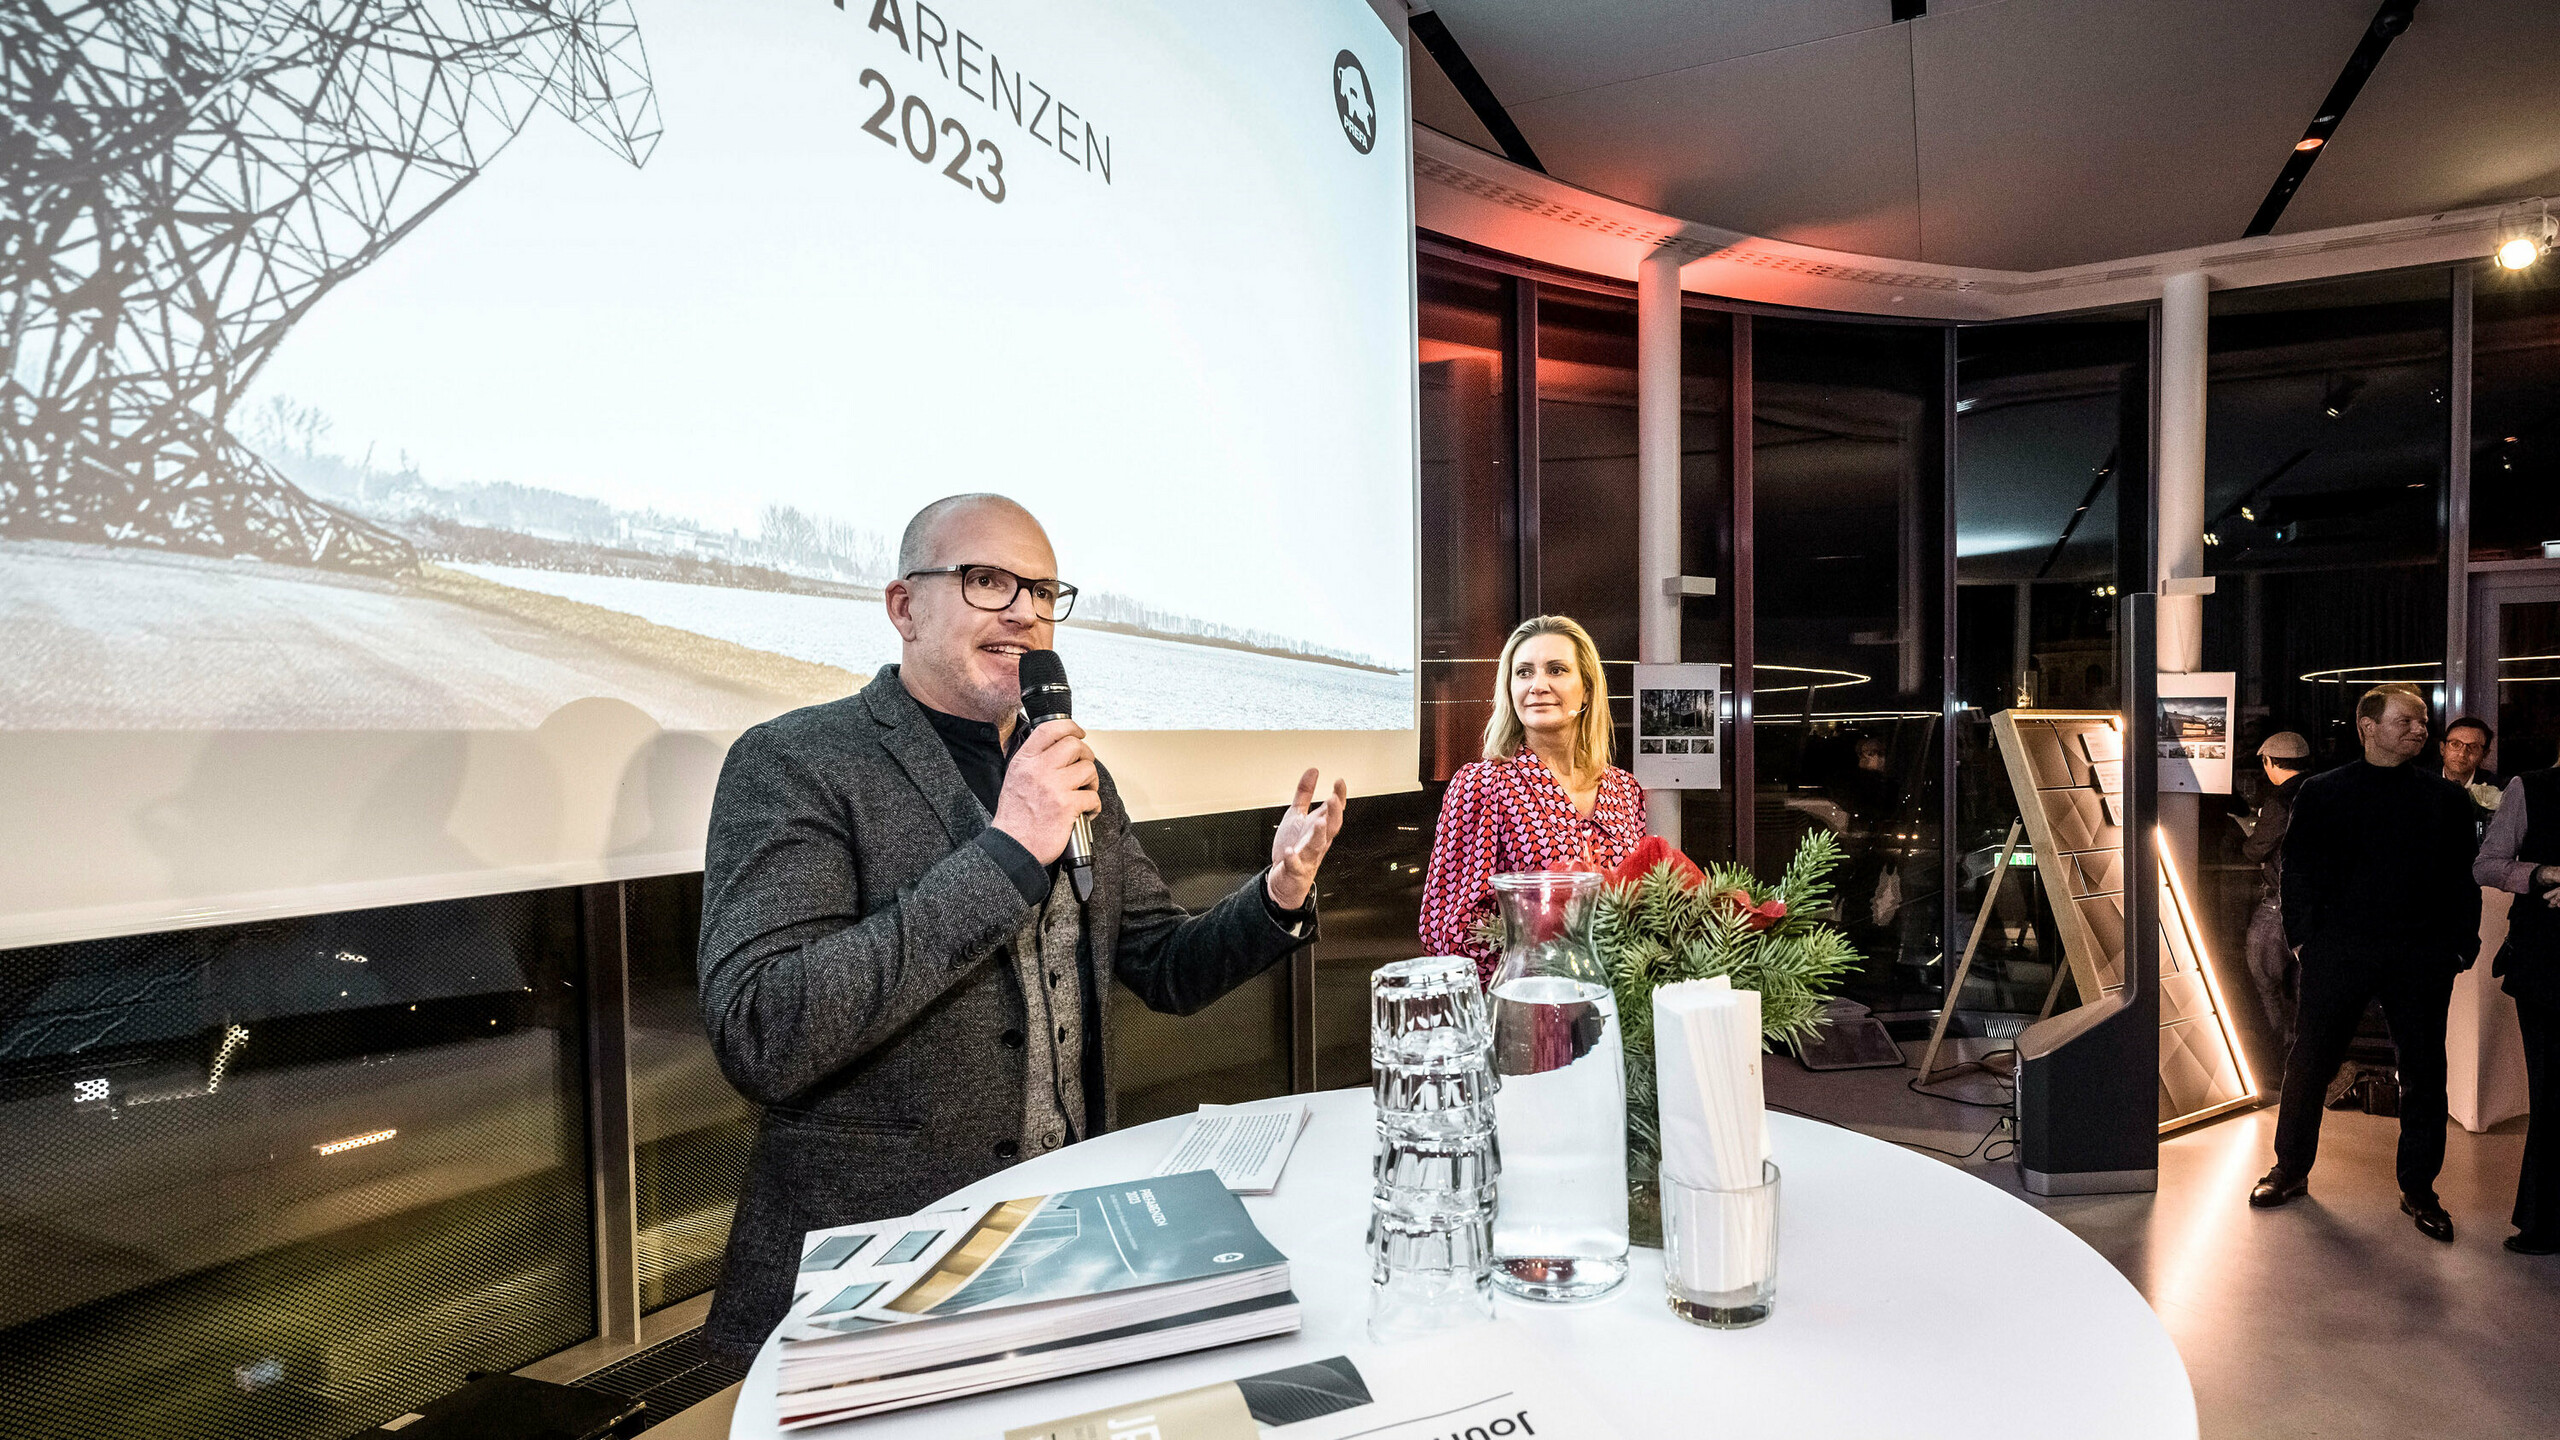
{"x":1434,"y":1179}
{"x":1720,"y":1250}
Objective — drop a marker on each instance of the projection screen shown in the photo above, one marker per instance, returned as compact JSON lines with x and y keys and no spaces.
{"x":434,"y":429}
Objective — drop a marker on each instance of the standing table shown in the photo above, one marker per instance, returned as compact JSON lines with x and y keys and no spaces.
{"x":1899,"y":1279}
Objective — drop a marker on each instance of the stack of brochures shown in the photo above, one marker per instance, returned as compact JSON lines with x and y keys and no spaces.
{"x":953,"y":1302}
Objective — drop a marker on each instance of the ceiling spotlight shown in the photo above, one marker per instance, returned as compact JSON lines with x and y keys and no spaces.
{"x":2526,"y":231}
{"x":2312,"y":143}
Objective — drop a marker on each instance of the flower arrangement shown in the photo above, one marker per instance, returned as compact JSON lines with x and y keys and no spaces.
{"x":1661,"y":919}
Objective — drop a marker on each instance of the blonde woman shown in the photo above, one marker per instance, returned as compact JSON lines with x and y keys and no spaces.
{"x":1544,"y":797}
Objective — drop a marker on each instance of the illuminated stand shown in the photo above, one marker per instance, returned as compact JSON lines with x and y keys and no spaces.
{"x":2067,"y":768}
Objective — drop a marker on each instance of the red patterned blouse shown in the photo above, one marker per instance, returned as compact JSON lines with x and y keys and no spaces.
{"x":1502,"y":816}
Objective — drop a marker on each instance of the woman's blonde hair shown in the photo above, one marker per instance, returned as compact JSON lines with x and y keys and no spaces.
{"x":1503,"y":734}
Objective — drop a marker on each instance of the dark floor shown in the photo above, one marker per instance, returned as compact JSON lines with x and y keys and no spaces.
{"x":2331,"y":1317}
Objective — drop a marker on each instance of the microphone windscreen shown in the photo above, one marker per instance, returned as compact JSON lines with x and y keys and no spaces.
{"x":1045,"y":695}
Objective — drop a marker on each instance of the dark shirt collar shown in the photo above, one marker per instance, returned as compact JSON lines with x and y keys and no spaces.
{"x":975,"y":749}
{"x":959,"y":730}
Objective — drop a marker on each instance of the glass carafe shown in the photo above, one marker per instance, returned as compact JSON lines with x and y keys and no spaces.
{"x":1560,"y":1114}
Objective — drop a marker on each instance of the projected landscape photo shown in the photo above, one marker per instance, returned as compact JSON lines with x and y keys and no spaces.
{"x":484,"y":357}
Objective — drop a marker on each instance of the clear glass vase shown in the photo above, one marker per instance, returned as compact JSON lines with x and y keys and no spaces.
{"x":1560,"y":1114}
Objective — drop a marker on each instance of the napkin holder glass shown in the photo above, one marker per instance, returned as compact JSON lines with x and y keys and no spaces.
{"x":1720,"y":1250}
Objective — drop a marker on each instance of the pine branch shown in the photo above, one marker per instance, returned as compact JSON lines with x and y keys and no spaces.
{"x":1654,"y":931}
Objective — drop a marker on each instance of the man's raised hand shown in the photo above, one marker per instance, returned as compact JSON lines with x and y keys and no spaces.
{"x":1305,"y":834}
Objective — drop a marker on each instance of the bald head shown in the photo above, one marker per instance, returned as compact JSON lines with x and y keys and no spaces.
{"x":958,"y":658}
{"x":925,"y":543}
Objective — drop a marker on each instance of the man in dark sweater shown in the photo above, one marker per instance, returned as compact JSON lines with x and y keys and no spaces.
{"x":2378,"y":902}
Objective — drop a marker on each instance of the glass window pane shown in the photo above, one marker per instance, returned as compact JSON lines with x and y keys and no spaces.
{"x":1237,"y":1049}
{"x":1587,"y":499}
{"x":2515,"y":413}
{"x":291,"y":1179}
{"x":2527,"y":711}
{"x":690,"y":1130}
{"x":1848,"y":556}
{"x":2326,"y":430}
{"x":1706,"y":548}
{"x":1587,"y":471}
{"x":1470,"y":560}
{"x":2041,"y":410}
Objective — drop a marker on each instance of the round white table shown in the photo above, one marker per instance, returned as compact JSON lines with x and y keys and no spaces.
{"x":1896,"y":1277}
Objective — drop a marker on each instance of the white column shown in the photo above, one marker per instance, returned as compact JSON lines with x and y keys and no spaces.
{"x":2178,"y":510}
{"x":2181,"y":495}
{"x":1658,"y":486}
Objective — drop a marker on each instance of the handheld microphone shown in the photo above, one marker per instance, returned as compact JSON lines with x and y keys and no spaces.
{"x":1045,"y":696}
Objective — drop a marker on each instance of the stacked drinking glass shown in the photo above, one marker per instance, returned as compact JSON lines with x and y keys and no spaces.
{"x":1431,"y":1204}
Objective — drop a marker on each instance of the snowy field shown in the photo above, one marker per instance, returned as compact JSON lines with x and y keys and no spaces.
{"x":1122,"y":682}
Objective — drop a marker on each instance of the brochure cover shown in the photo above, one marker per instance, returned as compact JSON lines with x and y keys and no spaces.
{"x":1072,"y":1245}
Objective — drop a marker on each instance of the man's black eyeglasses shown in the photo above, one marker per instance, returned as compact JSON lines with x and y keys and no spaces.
{"x":988,"y":587}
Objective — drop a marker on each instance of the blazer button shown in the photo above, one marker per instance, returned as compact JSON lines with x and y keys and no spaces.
{"x":1011,"y":1039}
{"x":1007,"y":1149}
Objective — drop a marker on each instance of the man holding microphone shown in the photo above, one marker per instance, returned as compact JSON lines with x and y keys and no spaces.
{"x":893,"y":963}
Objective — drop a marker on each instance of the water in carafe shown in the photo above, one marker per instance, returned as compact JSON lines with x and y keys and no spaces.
{"x":1560,"y":1229}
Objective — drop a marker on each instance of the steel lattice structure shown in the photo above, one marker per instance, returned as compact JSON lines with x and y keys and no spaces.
{"x":184,"y":179}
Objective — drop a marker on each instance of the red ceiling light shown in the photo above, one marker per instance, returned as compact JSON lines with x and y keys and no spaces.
{"x":2313,"y":143}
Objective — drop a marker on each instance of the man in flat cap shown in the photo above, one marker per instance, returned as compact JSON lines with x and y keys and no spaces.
{"x":2286,"y":758}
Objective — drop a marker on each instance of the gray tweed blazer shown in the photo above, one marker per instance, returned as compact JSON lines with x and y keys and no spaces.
{"x":857,"y":984}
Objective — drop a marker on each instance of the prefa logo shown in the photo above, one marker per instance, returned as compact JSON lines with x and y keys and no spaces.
{"x":1352,"y":102}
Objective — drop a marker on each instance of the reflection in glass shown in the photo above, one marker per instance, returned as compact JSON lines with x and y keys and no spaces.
{"x":1587,"y":500}
{"x":1470,"y":558}
{"x":2327,"y":430}
{"x":2515,"y":414}
{"x":196,"y":1247}
{"x":2040,"y":419}
{"x":2527,"y":714}
{"x":1371,"y":893}
{"x":1236,"y":1049}
{"x":690,"y":1130}
{"x":1849,"y":552}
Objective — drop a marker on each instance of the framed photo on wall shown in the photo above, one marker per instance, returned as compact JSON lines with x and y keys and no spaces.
{"x":2196,"y":733}
{"x":1676,"y":709}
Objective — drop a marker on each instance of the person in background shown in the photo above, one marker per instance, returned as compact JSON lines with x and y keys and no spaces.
{"x":2378,"y":902}
{"x":2285,"y":757}
{"x":1544,"y":797}
{"x":2460,"y":760}
{"x":2522,"y":856}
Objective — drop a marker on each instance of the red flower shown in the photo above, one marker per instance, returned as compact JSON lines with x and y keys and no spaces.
{"x":1761,"y":916}
{"x":1654,"y":850}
